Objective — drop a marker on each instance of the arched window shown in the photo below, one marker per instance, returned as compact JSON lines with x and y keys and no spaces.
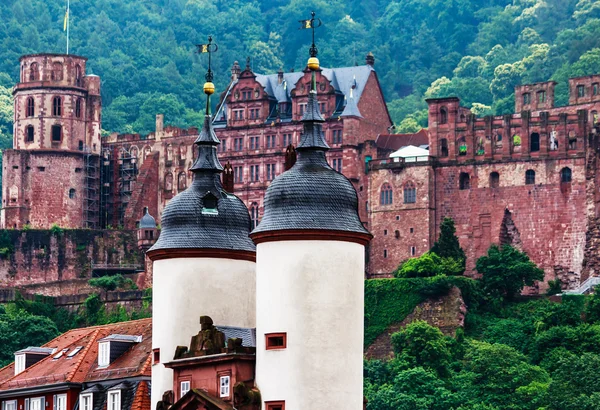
{"x":57,"y":72}
{"x":565,"y":175}
{"x":181,"y":182}
{"x":530,"y":177}
{"x":34,"y":73}
{"x":133,"y":151}
{"x":209,"y":202}
{"x":386,"y":197}
{"x":462,"y":146}
{"x":72,"y":193}
{"x":464,"y":181}
{"x":182,"y":151}
{"x":147,"y":151}
{"x":78,"y":76}
{"x":534,"y":143}
{"x":29,"y":131}
{"x":56,"y":133}
{"x":78,"y":108}
{"x":254,"y":214}
{"x":410,"y":193}
{"x":443,"y":115}
{"x":30,"y":107}
{"x":443,"y":147}
{"x":494,"y":180}
{"x":57,"y":106}
{"x":169,"y":182}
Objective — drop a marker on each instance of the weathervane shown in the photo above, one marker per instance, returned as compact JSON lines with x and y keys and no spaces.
{"x":312,"y":23}
{"x":209,"y":87}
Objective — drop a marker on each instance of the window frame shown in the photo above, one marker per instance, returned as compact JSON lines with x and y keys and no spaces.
{"x":530,"y":177}
{"x":103,"y":354}
{"x":109,"y":402}
{"x":386,"y":194}
{"x":5,"y":404}
{"x":270,"y":337}
{"x":410,"y":193}
{"x":20,"y":363}
{"x":30,"y":108}
{"x":58,"y":398}
{"x":526,"y":98}
{"x":275,"y":405}
{"x":181,"y":388}
{"x":225,"y":390}
{"x":57,"y":105}
{"x":566,"y":175}
{"x":83,"y":398}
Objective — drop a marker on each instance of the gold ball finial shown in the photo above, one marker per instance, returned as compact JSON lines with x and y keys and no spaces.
{"x":313,"y":63}
{"x":209,"y":88}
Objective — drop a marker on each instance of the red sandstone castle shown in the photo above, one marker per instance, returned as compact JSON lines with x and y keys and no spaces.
{"x":528,"y":179}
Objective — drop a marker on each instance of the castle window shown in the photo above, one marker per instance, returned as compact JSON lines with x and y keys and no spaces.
{"x":464,"y":181}
{"x":397,"y":234}
{"x":270,"y":172}
{"x":385,"y":232}
{"x":413,"y":251}
{"x":541,"y":96}
{"x":386,"y":195}
{"x":56,"y":133}
{"x":275,"y":405}
{"x":254,"y":143}
{"x":529,"y":177}
{"x":57,"y":72}
{"x":78,"y":108}
{"x":302,"y":108}
{"x":443,"y":147}
{"x":410,"y":193}
{"x":595,"y":89}
{"x":34,"y":73}
{"x":254,"y":214}
{"x":526,"y":99}
{"x":385,"y":253}
{"x":276,"y":341}
{"x":78,"y":76}
{"x":494,"y":180}
{"x":184,"y":387}
{"x":287,"y":140}
{"x":565,"y":175}
{"x":30,"y":107}
{"x":238,"y":174}
{"x":223,"y":145}
{"x":238,"y":144}
{"x":534,"y":143}
{"x":580,"y":91}
{"x":80,"y":145}
{"x":254,"y":173}
{"x":224,"y":386}
{"x":29,"y":133}
{"x":209,"y":202}
{"x":57,"y":106}
{"x":412,"y":230}
{"x":181,"y":182}
{"x":337,"y":164}
{"x":336,"y":136}
{"x":155,"y":355}
{"x":169,"y":182}
{"x":443,"y":115}
{"x":270,"y":141}
{"x":169,"y":152}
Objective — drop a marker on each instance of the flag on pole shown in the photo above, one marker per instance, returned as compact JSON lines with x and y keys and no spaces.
{"x":203,"y":48}
{"x":66,"y":20}
{"x":306,"y":23}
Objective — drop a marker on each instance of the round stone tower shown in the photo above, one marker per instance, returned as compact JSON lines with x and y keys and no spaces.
{"x":51,"y":175}
{"x":203,"y":261}
{"x":310,"y":254}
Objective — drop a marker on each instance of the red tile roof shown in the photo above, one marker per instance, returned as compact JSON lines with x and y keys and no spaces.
{"x":394,"y":142}
{"x":83,"y":366}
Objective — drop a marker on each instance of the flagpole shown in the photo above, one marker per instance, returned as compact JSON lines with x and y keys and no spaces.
{"x":68,"y":23}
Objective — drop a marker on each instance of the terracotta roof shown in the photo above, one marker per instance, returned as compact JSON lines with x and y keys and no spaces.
{"x":196,"y":397}
{"x":83,"y":365}
{"x":394,"y":142}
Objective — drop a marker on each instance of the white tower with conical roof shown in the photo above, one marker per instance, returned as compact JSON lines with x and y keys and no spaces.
{"x":310,"y":281}
{"x":203,"y":261}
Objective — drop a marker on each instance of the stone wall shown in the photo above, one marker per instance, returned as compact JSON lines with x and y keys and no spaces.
{"x":56,"y":260}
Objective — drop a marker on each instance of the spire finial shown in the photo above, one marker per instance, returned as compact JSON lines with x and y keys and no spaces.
{"x":209,"y":87}
{"x":248,"y":63}
{"x":312,"y":23}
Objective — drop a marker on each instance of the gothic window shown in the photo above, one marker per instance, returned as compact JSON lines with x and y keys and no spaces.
{"x":254,"y":213}
{"x":410,"y":193}
{"x":464,"y":181}
{"x":530,"y":177}
{"x":169,"y":182}
{"x":494,"y":180}
{"x":337,"y":136}
{"x":30,"y":112}
{"x":443,"y":115}
{"x":534,"y":143}
{"x":56,"y":133}
{"x":72,"y":193}
{"x":78,"y":76}
{"x":57,"y":72}
{"x":443,"y":147}
{"x":34,"y":73}
{"x":29,"y":133}
{"x":181,"y":182}
{"x":133,"y":152}
{"x":386,"y":195}
{"x":147,"y":151}
{"x":78,"y":108}
{"x":57,"y":106}
{"x":565,"y":175}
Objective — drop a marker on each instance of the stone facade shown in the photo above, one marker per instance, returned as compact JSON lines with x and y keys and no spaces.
{"x":56,"y":131}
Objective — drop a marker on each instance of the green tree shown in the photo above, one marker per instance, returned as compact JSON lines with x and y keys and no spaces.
{"x":505,"y":271}
{"x":113,"y":282}
{"x":447,"y":245}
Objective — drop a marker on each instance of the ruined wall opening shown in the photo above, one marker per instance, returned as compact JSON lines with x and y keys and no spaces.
{"x":534,"y":142}
{"x":56,"y":133}
{"x":464,"y":181}
{"x":530,"y":177}
{"x":29,"y":132}
{"x":565,"y":175}
{"x":443,"y":147}
{"x":494,"y":180}
{"x":443,"y":115}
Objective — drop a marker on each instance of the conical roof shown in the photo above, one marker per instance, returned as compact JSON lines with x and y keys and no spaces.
{"x":147,"y":221}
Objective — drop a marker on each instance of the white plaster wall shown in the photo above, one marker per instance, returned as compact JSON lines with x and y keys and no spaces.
{"x":184,"y":289}
{"x":313,"y":291}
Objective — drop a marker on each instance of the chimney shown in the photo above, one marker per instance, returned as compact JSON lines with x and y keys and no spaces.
{"x":235,"y":71}
{"x":370,"y":59}
{"x":280,"y":76}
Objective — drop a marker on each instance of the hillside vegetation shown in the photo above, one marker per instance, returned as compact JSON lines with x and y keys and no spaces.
{"x":144,"y":50}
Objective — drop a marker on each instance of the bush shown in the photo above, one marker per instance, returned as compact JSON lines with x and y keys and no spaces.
{"x":448,"y":246}
{"x":554,"y":287}
{"x":110,"y":283}
{"x":430,"y":264}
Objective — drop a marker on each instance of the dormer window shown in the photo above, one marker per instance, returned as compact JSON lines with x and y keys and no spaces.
{"x":103,"y":354}
{"x":10,"y":405}
{"x":114,"y":400}
{"x":28,"y":357}
{"x":113,"y":346}
{"x":19,"y":363}
{"x":209,"y":203}
{"x":85,"y":401}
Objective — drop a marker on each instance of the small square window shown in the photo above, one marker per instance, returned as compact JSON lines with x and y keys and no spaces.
{"x":397,"y":217}
{"x":276,"y":341}
{"x":156,"y":355}
{"x":385,"y":253}
{"x":275,"y":405}
{"x":412,"y":230}
{"x":385,"y":231}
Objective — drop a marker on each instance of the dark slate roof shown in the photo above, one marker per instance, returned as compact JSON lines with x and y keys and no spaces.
{"x":37,"y":350}
{"x":147,"y":221}
{"x":192,"y":220}
{"x":129,"y":390}
{"x":247,"y":335}
{"x":351,"y":109}
{"x":311,"y":195}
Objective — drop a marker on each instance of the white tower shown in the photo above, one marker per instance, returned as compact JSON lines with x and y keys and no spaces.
{"x":310,"y":281}
{"x":204,"y":261}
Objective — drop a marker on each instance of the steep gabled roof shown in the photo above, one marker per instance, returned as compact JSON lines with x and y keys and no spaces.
{"x":83,"y":365}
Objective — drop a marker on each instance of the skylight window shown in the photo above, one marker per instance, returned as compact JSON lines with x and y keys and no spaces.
{"x":60,"y":354}
{"x":75,"y":351}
